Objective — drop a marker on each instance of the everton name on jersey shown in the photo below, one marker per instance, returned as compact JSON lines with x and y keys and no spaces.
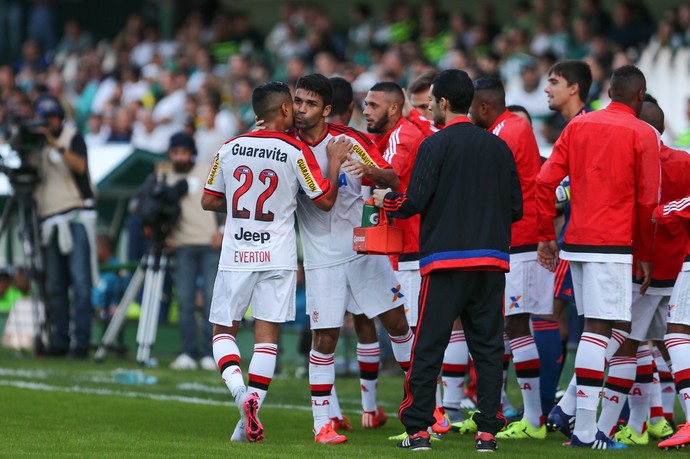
{"x":327,"y":236}
{"x":260,"y":174}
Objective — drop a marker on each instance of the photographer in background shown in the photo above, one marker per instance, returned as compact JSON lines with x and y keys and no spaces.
{"x":194,"y":240}
{"x":65,"y":207}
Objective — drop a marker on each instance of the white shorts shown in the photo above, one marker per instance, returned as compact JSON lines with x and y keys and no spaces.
{"x":529,"y":289}
{"x":603,"y":290}
{"x":410,"y":283}
{"x":648,"y":314}
{"x":679,"y":306}
{"x":368,"y":280}
{"x":271,"y":294}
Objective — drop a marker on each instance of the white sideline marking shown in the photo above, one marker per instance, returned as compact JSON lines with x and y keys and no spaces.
{"x":131,"y":394}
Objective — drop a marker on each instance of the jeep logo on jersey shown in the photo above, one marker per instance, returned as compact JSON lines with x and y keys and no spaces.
{"x":214,"y":169}
{"x":255,"y":236}
{"x":306,"y":173}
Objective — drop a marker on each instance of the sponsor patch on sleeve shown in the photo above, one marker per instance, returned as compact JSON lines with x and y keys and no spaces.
{"x":214,"y":169}
{"x":306,"y":173}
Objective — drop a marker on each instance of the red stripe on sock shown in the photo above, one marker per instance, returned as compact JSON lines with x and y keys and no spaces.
{"x":589,"y":373}
{"x":527,"y":365}
{"x":454,"y":368}
{"x":622,"y":382}
{"x":228,"y":358}
{"x":368,"y":366}
{"x":320,"y":387}
{"x":681,"y":375}
{"x":656,"y":411}
{"x":259,"y":379}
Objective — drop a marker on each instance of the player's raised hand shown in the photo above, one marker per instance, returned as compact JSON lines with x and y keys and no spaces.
{"x":547,"y":255}
{"x":338,"y":149}
{"x":407,"y":106}
{"x":259,"y":125}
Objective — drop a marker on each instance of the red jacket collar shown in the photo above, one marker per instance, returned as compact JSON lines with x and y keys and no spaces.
{"x":459,"y":119}
{"x":619,"y":107}
{"x":506,"y":113}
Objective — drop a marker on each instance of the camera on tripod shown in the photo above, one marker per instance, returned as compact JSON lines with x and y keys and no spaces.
{"x":159,"y":205}
{"x":27,"y":135}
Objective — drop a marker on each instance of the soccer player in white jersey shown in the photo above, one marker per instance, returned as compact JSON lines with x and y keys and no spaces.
{"x":255,"y":178}
{"x":334,"y":272}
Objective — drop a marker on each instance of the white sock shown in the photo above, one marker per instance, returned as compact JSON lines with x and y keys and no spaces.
{"x":620,"y":379}
{"x":368,"y":358}
{"x":321,"y":380}
{"x":454,"y":368}
{"x":402,"y":349}
{"x":589,"y":371}
{"x":334,"y":411}
{"x":227,"y":357}
{"x":261,"y":369}
{"x":526,"y":363}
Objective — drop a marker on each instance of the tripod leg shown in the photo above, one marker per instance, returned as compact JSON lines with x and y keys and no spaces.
{"x":120,"y":315}
{"x":156,"y":295}
{"x":146,"y":316}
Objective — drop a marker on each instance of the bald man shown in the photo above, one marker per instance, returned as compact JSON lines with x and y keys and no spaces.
{"x":613,"y":161}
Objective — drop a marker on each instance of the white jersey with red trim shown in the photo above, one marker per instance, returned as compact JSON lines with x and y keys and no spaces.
{"x":327,"y":236}
{"x":260,"y":175}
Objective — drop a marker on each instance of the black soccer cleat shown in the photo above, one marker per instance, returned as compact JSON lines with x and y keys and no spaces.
{"x":485,"y":443}
{"x":417,"y":442}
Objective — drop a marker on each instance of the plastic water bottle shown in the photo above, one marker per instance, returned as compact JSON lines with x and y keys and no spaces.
{"x":133,"y":377}
{"x":370,"y":214}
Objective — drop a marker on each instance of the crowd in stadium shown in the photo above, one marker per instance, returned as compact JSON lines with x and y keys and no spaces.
{"x":126,"y":88}
{"x":569,"y":68}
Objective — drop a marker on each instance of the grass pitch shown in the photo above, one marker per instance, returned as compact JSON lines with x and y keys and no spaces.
{"x":60,"y":408}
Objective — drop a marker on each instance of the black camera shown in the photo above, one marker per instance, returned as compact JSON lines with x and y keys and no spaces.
{"x":159,"y":205}
{"x":26,"y":136}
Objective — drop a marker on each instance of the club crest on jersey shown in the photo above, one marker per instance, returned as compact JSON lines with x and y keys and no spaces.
{"x":214,"y":169}
{"x":359,"y":151}
{"x":515,"y":302}
{"x":396,"y":293}
{"x":306,"y":173}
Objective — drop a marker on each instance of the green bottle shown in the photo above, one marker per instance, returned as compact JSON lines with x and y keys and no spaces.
{"x":370,"y":213}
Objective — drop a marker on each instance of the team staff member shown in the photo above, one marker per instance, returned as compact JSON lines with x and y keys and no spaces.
{"x":529,"y":287}
{"x":466,"y":188}
{"x":65,"y":200}
{"x":613,"y":162}
{"x":255,"y":178}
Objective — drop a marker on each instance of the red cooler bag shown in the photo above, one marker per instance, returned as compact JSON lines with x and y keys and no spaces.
{"x":382,"y":239}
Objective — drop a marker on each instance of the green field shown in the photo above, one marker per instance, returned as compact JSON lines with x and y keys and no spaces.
{"x":58,"y":408}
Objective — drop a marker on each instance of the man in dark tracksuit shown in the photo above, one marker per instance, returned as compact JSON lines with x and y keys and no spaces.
{"x":465,"y":186}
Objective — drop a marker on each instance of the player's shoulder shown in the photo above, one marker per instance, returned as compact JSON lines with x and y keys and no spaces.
{"x":336,"y":129}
